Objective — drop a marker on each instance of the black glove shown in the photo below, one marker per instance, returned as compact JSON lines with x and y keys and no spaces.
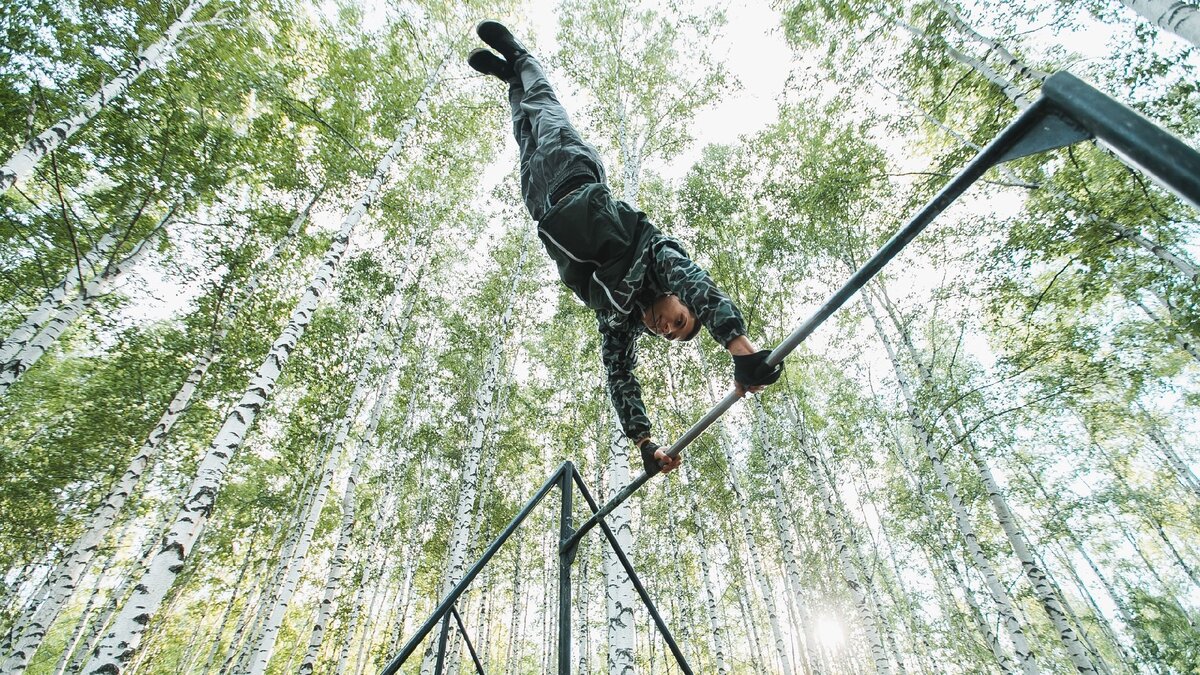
{"x":649,"y":461}
{"x":752,"y":370}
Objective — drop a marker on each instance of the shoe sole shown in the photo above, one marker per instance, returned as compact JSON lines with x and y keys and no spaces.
{"x":501,"y":34}
{"x":488,"y":63}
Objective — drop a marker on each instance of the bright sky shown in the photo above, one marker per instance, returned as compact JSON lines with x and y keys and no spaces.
{"x":755,"y":52}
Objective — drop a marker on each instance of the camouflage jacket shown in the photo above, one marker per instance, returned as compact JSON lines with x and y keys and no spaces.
{"x":617,"y":263}
{"x":663,"y":267}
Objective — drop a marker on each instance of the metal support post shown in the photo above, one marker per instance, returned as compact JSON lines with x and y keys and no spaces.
{"x":441,"y":649}
{"x":633,"y":577}
{"x":566,"y":556}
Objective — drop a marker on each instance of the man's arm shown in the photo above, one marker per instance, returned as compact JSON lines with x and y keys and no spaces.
{"x":683,"y":277}
{"x":618,"y":352}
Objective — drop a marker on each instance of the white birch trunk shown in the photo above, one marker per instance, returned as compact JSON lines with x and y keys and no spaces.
{"x":82,"y":623}
{"x":747,"y":610}
{"x":104,"y":618}
{"x":1016,"y":536}
{"x":343,"y":661}
{"x":942,"y":554}
{"x":364,"y":450}
{"x":1033,"y":571}
{"x":1007,"y":58}
{"x":261,"y":646}
{"x":631,"y":161}
{"x":1021,"y":647}
{"x":265,"y":646}
{"x":250,"y":624}
{"x":785,"y":527}
{"x":382,"y":595}
{"x":1184,"y":266}
{"x":896,"y":587}
{"x":1183,"y":472}
{"x":1174,"y":16}
{"x":481,"y":416}
{"x":756,"y":564}
{"x":618,"y":592}
{"x":25,"y":355}
{"x":20,"y":165}
{"x":54,"y":298}
{"x":409,"y":585}
{"x":1064,"y":559}
{"x":717,"y":632}
{"x":768,"y":593}
{"x":1184,"y":344}
{"x":118,"y":646}
{"x":515,"y":624}
{"x":1012,"y":91}
{"x":849,"y":568}
{"x":234,"y":596}
{"x":32,"y":627}
{"x":66,"y":575}
{"x":1152,"y":519}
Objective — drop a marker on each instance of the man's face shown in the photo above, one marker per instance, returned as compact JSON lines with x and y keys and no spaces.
{"x":669,"y":317}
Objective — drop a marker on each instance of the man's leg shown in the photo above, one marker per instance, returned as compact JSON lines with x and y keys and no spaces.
{"x":527,"y":146}
{"x":557,"y":153}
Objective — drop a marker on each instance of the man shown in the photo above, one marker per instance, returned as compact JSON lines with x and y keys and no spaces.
{"x":635,"y":278}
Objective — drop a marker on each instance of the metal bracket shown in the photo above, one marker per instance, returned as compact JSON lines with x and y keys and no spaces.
{"x":567,"y":549}
{"x":1053,"y":131}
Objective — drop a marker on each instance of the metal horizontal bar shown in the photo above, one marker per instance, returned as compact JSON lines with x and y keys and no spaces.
{"x":983,"y":161}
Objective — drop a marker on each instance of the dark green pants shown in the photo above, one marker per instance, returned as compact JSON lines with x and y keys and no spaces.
{"x":552,"y":152}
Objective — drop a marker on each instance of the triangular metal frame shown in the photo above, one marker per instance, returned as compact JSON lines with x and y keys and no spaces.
{"x":566,"y":477}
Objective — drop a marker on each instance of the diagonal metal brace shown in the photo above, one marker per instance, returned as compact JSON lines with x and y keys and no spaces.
{"x":633,"y":578}
{"x":462,"y":629}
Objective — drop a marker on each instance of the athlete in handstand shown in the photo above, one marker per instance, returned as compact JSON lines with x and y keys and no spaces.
{"x":635,"y":278}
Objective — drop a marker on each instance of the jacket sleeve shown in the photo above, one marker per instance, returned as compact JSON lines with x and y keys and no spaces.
{"x":676,"y":272}
{"x":618,"y":351}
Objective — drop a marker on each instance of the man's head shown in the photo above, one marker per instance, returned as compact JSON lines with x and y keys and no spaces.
{"x":668,"y":317}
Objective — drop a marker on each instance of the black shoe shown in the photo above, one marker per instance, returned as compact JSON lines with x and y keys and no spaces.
{"x":488,"y":63}
{"x":501,"y":39}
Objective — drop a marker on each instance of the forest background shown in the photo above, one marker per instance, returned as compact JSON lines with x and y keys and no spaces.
{"x":281,"y":355}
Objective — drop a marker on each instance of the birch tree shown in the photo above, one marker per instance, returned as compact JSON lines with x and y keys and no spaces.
{"x":786,"y":528}
{"x":66,"y":576}
{"x":1033,"y":571}
{"x":19,"y":166}
{"x":1000,"y":595}
{"x":1173,"y":16}
{"x":26,"y":354}
{"x":118,"y":647}
{"x":845,"y":556}
{"x":337,"y":565}
{"x":292,"y":565}
{"x":481,"y":417}
{"x":36,"y":320}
